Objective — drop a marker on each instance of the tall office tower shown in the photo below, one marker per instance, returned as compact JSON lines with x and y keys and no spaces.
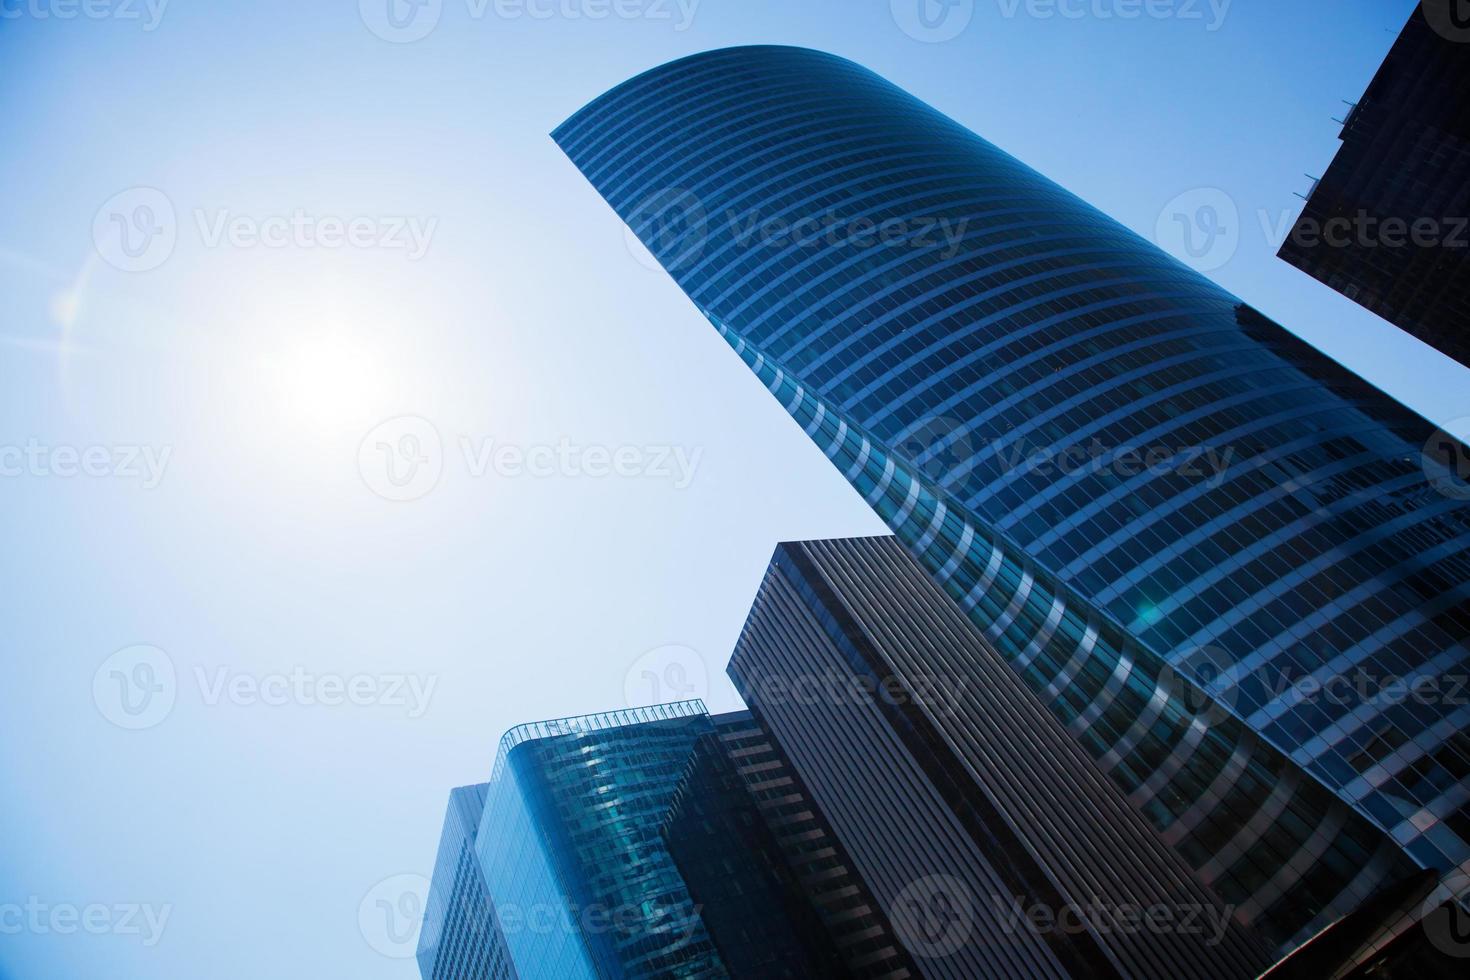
{"x":658,"y":842}
{"x":1386,"y":225}
{"x":963,"y":803}
{"x":459,"y":939}
{"x":1133,"y":483}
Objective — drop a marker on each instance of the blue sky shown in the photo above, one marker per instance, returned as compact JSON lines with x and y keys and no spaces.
{"x":362,"y":247}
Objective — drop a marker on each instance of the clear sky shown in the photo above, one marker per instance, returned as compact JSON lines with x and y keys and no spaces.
{"x":239,"y":680}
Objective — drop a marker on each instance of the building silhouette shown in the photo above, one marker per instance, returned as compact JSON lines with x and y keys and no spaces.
{"x":1388,"y":224}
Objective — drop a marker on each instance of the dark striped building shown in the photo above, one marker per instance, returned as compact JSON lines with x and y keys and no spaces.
{"x":997,"y":845}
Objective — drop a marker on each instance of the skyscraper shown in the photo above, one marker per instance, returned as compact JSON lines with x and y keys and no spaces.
{"x":459,"y":939}
{"x":571,"y":831}
{"x":651,"y":842}
{"x":1135,"y":485}
{"x":1388,"y":223}
{"x":891,"y":702}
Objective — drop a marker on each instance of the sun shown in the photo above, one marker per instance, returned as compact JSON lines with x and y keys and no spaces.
{"x":327,"y":380}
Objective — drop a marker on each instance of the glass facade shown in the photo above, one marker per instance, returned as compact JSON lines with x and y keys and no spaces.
{"x":459,"y":939}
{"x":1135,"y":484}
{"x":571,"y":847}
{"x":650,"y":842}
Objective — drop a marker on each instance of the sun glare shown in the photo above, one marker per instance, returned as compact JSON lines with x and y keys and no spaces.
{"x":327,"y":381}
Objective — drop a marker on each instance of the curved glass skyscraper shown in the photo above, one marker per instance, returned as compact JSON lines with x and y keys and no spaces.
{"x":1125,"y":474}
